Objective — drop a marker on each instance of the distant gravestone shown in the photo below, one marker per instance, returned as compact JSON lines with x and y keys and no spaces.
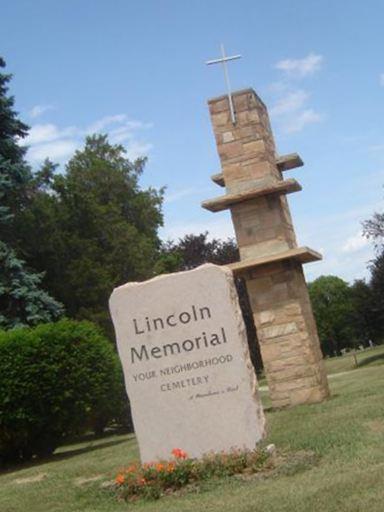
{"x":188,"y":374}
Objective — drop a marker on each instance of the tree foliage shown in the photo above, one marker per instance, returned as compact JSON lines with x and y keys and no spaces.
{"x":15,"y":174}
{"x":194,"y":250}
{"x":22,"y":301}
{"x":332,"y":306}
{"x":366,"y":322}
{"x":373,"y":229}
{"x":344,"y":314}
{"x":91,"y":228}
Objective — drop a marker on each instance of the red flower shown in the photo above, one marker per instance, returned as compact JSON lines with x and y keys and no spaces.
{"x":179,"y":454}
{"x":170,"y":467}
{"x":131,"y":469}
{"x":120,"y":479}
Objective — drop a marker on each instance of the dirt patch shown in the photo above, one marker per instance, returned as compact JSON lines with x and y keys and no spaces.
{"x":83,"y":480}
{"x":376,"y":426}
{"x":31,"y":479}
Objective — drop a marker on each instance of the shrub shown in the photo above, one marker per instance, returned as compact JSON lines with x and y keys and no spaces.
{"x":56,"y":380}
{"x":151,"y":481}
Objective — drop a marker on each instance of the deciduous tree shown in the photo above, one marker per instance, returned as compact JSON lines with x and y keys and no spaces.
{"x":332,"y":304}
{"x":91,"y":227}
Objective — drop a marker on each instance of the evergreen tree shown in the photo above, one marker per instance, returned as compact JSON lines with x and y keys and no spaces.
{"x":22,"y":302}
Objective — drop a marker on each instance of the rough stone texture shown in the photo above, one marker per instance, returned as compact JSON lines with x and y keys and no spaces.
{"x":278,"y":293}
{"x":192,"y":386}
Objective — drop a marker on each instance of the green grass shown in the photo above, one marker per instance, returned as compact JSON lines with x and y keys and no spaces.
{"x":346,"y":432}
{"x":370,"y":356}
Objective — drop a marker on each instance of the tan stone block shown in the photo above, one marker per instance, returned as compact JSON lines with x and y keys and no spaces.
{"x":244,"y":157}
{"x":253,"y":132}
{"x":298,"y":375}
{"x":258,"y":170}
{"x":244,"y":102}
{"x":298,"y":383}
{"x":230,"y":150}
{"x":218,"y":106}
{"x":231,"y":171}
{"x":248,"y":117}
{"x":276,"y":331}
{"x":263,"y":249}
{"x":308,"y":395}
{"x":269,"y":297}
{"x":227,"y":137}
{"x":220,"y":119}
{"x":254,"y":147}
{"x":266,"y":317}
{"x":270,"y":352}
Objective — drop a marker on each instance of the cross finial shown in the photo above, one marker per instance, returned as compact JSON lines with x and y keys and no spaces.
{"x":224,"y":59}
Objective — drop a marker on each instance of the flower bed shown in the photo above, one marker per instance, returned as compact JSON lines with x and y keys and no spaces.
{"x":155,"y":479}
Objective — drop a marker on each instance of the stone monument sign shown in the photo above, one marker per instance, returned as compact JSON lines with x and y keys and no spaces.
{"x":188,"y":374}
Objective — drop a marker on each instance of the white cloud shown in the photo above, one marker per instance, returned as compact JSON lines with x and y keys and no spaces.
{"x":345,"y":253}
{"x":301,"y":119}
{"x":136,"y":149}
{"x":178,"y":194}
{"x":40,"y":133}
{"x":291,"y":107}
{"x":57,"y":150}
{"x":121,"y":122}
{"x":301,"y":67}
{"x":355,"y":243}
{"x":102,"y":123}
{"x":291,"y":112}
{"x":39,"y":110}
{"x":289,"y":103}
{"x":49,"y":140}
{"x":381,"y":79}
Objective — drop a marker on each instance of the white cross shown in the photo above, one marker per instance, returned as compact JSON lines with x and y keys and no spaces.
{"x":224,"y":59}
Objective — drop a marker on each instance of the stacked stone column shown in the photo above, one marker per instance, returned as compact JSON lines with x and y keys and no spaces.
{"x":270,"y":262}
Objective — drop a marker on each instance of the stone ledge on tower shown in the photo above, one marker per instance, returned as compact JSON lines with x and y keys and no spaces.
{"x":284,"y":163}
{"x":301,"y":254}
{"x":274,"y":187}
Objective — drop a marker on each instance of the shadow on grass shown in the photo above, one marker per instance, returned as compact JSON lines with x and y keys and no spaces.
{"x":89,"y":437}
{"x":370,"y":360}
{"x":55,"y":457}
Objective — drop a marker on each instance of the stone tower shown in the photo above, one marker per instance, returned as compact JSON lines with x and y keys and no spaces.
{"x":270,"y":260}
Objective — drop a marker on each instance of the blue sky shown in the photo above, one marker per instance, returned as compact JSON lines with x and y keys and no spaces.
{"x":135,"y":70}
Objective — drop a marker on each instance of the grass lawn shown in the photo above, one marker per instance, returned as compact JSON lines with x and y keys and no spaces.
{"x":346,"y":432}
{"x":368,"y":357}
